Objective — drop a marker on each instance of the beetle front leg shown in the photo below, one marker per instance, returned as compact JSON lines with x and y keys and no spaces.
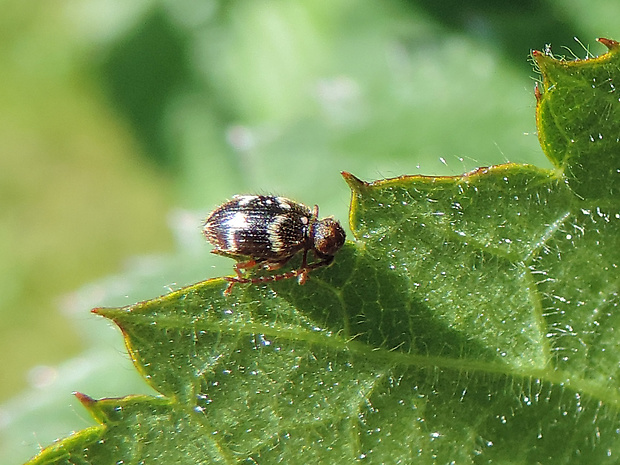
{"x":303,"y":274}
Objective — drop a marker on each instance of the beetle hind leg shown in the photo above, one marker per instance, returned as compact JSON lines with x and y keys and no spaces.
{"x":239,"y":266}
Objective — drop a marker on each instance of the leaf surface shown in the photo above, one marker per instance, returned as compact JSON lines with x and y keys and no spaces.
{"x":472,"y":320}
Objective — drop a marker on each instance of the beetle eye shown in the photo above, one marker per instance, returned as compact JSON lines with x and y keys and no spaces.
{"x":328,"y":236}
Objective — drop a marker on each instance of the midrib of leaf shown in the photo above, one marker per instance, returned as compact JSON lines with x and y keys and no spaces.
{"x":394,"y":359}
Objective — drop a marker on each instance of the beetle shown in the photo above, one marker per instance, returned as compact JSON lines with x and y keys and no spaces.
{"x":267,"y":231}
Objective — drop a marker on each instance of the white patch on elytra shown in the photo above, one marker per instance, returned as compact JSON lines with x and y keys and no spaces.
{"x":237,"y":221}
{"x":243,"y":200}
{"x":274,"y":234}
{"x":283,"y":203}
{"x":233,"y":224}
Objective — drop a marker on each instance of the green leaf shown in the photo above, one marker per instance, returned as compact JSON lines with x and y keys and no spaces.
{"x":472,"y":320}
{"x":577,"y":120}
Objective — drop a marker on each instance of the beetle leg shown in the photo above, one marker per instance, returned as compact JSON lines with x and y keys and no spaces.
{"x":303,"y":269}
{"x":231,"y":283}
{"x":270,"y":266}
{"x":313,"y":266}
{"x":244,"y":266}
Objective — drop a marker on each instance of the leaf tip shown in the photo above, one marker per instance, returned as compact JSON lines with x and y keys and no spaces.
{"x":109,"y":313}
{"x":353,"y":181}
{"x":85,"y":400}
{"x":609,"y":43}
{"x":541,"y":58}
{"x":538,"y":55}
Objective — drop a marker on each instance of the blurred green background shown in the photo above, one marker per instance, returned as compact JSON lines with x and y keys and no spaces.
{"x":123,"y":123}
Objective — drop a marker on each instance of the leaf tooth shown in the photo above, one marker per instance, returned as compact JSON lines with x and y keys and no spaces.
{"x":84,"y":399}
{"x":609,"y":43}
{"x":355,"y":183}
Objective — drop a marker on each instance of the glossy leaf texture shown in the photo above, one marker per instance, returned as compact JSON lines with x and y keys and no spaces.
{"x":474,"y":319}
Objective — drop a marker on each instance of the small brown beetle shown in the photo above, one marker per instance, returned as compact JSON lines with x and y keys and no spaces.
{"x":269,"y":231}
